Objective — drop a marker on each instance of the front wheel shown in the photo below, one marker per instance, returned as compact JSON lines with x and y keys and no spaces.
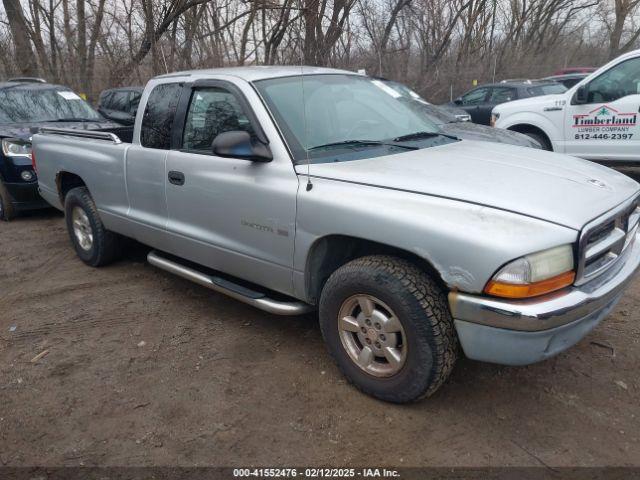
{"x":541,"y":139}
{"x":388,"y":327}
{"x":95,"y":245}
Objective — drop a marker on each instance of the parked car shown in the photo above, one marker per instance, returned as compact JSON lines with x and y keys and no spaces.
{"x":452,"y":125}
{"x":568,"y":79}
{"x":596,"y":119}
{"x":120,"y":104}
{"x":27,"y":104}
{"x":569,"y":70}
{"x":459,"y":114}
{"x":479,"y":101}
{"x":290,"y":189}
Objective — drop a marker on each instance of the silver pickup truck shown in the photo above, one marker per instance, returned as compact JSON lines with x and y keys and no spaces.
{"x":293,"y":189}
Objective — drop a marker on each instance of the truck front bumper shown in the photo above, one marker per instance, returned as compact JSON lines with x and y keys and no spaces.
{"x":25,"y":196}
{"x":520,"y":332}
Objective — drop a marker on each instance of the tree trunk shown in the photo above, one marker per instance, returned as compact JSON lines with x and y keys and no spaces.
{"x":27,"y":64}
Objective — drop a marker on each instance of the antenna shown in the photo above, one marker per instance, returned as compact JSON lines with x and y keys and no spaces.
{"x":304,"y":110}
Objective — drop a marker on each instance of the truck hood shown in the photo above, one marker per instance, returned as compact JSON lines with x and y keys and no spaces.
{"x":556,"y":188}
{"x":530,"y":103}
{"x":473,"y":131}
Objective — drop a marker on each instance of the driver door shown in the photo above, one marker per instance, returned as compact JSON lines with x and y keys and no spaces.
{"x":606,"y":126}
{"x":233,"y":215}
{"x":475,"y":102}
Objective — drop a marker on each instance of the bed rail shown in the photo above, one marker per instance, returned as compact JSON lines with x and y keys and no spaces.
{"x":70,"y":132}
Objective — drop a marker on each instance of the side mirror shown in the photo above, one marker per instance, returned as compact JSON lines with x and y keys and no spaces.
{"x":580,"y":96}
{"x":239,"y":144}
{"x":458,"y":101}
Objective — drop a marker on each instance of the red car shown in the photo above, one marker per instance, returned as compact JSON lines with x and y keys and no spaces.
{"x":567,"y":70}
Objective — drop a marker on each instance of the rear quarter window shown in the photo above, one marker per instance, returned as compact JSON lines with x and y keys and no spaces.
{"x":159,"y":115}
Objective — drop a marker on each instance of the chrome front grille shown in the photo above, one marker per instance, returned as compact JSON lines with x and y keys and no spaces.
{"x":603,"y":240}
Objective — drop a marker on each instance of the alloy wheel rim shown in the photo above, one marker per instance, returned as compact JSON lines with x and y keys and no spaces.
{"x":372,"y":335}
{"x":82,"y":228}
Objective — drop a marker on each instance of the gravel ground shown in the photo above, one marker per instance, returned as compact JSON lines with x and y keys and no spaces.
{"x":128,"y":365}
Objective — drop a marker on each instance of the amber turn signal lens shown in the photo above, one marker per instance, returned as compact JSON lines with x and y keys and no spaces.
{"x":510,"y":290}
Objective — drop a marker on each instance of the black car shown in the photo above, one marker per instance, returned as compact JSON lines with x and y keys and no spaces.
{"x":454,"y":110}
{"x":25,"y":106}
{"x":568,"y":79}
{"x":120,"y":104}
{"x":480,"y":101}
{"x":450,"y":124}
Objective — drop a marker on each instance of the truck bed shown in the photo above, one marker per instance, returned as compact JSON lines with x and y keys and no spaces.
{"x":97,"y":157}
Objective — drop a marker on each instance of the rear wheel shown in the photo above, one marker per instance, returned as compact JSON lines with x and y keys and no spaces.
{"x":388,"y":326}
{"x":7,"y":212}
{"x":95,"y":245}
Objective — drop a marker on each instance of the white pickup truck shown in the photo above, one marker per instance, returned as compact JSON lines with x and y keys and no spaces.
{"x":597,"y":119}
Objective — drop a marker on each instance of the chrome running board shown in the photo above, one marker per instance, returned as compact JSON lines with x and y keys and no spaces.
{"x":229,"y":288}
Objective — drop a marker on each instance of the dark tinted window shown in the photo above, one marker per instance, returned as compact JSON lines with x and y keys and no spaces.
{"x":212,"y":111}
{"x":502,"y":94}
{"x":105,"y":97}
{"x":475,"y":97}
{"x":546,"y":89}
{"x":159,"y":115}
{"x":119,"y":101}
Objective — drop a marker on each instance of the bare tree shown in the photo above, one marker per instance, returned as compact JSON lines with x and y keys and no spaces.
{"x":21,"y":40}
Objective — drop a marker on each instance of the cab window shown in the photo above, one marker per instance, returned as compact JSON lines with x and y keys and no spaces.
{"x":159,"y":115}
{"x":212,"y":111}
{"x":475,"y":97}
{"x":615,"y":83}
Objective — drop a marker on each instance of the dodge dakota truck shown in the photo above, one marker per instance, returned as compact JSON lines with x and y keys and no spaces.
{"x":293,"y":189}
{"x":596,"y":119}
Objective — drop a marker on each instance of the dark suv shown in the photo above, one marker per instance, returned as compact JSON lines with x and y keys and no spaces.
{"x":120,"y":104}
{"x":480,"y":101}
{"x":25,"y":106}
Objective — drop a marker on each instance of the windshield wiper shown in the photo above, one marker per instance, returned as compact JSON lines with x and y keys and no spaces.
{"x":421,"y":135}
{"x":360,"y":143}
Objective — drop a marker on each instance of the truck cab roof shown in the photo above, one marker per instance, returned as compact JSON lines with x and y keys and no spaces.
{"x":254,"y":73}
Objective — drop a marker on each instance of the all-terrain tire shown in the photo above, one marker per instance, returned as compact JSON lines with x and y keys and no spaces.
{"x":106,"y":246}
{"x":422,"y":308}
{"x":7,"y":212}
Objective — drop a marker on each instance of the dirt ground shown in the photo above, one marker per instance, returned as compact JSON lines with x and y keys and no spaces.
{"x":144,"y":368}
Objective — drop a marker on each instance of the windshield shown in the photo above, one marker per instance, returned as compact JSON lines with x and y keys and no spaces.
{"x":347,"y":117}
{"x":40,"y":105}
{"x":433,"y":113}
{"x":546,"y":89}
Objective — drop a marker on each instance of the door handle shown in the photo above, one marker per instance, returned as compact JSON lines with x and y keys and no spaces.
{"x":177,"y":178}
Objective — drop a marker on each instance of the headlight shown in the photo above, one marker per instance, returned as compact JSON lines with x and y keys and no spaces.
{"x":494,"y":118}
{"x":13,"y":147}
{"x":535,"y":274}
